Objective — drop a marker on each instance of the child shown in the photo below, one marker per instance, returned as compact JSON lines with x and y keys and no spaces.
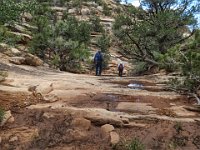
{"x":120,"y":68}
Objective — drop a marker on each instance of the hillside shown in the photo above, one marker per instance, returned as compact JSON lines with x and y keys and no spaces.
{"x":28,"y":35}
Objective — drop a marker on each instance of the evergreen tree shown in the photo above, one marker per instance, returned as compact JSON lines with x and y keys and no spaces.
{"x":147,"y":32}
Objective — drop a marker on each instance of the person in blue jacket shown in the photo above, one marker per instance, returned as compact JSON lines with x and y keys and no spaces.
{"x":98,"y":59}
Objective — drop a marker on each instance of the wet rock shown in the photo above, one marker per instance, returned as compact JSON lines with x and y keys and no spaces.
{"x":106,"y":129}
{"x":114,"y":138}
{"x":81,"y":123}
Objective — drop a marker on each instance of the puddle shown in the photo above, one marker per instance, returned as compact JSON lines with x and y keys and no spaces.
{"x":136,"y":86}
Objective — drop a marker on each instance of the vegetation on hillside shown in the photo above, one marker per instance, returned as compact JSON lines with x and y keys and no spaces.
{"x":163,"y":34}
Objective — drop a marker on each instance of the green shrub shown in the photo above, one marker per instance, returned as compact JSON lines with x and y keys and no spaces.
{"x":2,"y":113}
{"x":135,"y":144}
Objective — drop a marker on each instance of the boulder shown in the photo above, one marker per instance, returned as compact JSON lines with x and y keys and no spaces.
{"x":85,"y":11}
{"x":106,"y":129}
{"x":114,"y":138}
{"x":81,"y":123}
{"x":33,"y":60}
{"x":44,"y":89}
{"x":50,"y":98}
{"x":27,"y":16}
{"x":17,"y":60}
{"x":72,"y":11}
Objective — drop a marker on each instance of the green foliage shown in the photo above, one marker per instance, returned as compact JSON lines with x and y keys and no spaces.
{"x":106,"y":10}
{"x":2,"y":113}
{"x":96,"y":25}
{"x":187,"y":58}
{"x":140,"y":67}
{"x":148,"y":32}
{"x":135,"y":144}
{"x":178,"y":127}
{"x":104,"y":43}
{"x":7,"y":37}
{"x":11,"y":10}
{"x":65,"y":40}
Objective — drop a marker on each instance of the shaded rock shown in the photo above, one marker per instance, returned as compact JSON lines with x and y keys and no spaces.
{"x":24,"y":38}
{"x":27,"y":16}
{"x":33,"y":60}
{"x":125,"y":120}
{"x":0,"y":140}
{"x":17,"y":60}
{"x":81,"y":123}
{"x":85,"y":11}
{"x":101,"y":120}
{"x":114,"y":138}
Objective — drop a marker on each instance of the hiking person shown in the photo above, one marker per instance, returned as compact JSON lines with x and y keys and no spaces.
{"x":120,"y":68}
{"x":98,"y":59}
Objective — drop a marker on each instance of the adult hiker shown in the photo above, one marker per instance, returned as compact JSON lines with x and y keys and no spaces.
{"x":98,"y":59}
{"x":120,"y":68}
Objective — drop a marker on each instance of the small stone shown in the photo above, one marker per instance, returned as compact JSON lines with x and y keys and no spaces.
{"x":13,"y":139}
{"x":114,"y":138}
{"x":106,"y":129}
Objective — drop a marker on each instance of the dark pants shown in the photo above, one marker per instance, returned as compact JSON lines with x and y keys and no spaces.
{"x":98,"y":68}
{"x":120,"y":72}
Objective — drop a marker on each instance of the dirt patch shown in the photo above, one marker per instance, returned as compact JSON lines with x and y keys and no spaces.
{"x":12,"y":101}
{"x":163,"y":135}
{"x":53,"y":131}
